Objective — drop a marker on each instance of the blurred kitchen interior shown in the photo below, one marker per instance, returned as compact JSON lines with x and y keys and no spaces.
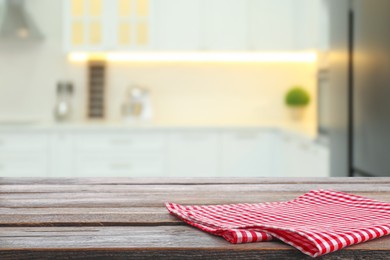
{"x":194,"y":88}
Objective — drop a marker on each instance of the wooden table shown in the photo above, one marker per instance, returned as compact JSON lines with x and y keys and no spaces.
{"x":126,"y":218}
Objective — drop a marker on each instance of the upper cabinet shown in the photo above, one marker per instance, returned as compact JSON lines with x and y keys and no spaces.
{"x":131,"y":27}
{"x":85,"y":24}
{"x":177,"y":24}
{"x":223,"y":25}
{"x":193,"y":25}
{"x":272,"y":25}
{"x":100,"y":25}
{"x":312,"y":24}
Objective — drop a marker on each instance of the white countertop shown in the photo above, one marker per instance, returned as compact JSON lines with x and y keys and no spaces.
{"x":305,"y":130}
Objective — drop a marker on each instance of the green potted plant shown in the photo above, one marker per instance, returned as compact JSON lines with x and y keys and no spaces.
{"x":297,"y":98}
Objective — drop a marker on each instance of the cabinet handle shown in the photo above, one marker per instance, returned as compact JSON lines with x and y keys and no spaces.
{"x":194,"y":137}
{"x":121,"y":142}
{"x":119,"y":166}
{"x":246,"y":136}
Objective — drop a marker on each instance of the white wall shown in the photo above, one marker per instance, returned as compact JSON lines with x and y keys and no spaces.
{"x":29,"y":70}
{"x":181,"y":93}
{"x":213,"y":93}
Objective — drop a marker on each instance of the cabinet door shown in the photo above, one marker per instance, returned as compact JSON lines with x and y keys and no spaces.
{"x":278,"y":154}
{"x":246,"y":154}
{"x":177,"y":24}
{"x":291,"y":155}
{"x":120,"y":165}
{"x":85,"y":25}
{"x":23,"y":164}
{"x":61,"y":155}
{"x":302,"y":157}
{"x":320,"y":157}
{"x":23,"y":155}
{"x":193,"y":154}
{"x":120,"y":154}
{"x":271,"y":25}
{"x":132,"y":26}
{"x":311,"y":22}
{"x":224,"y":25}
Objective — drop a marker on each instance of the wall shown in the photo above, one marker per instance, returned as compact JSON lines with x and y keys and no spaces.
{"x":29,"y":70}
{"x":212,"y":93}
{"x":234,"y":93}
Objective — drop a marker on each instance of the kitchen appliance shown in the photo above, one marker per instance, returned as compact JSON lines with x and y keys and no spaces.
{"x":17,"y":22}
{"x":63,"y":107}
{"x":360,"y":88}
{"x":322,"y":103}
{"x":137,"y":105}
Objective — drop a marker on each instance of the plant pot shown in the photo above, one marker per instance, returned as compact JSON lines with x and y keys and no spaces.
{"x":297,"y":113}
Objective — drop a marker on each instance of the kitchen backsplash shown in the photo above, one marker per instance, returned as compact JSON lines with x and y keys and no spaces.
{"x":212,"y":93}
{"x":181,"y":93}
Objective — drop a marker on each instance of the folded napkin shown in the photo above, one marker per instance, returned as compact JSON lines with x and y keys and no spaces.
{"x":316,"y":223}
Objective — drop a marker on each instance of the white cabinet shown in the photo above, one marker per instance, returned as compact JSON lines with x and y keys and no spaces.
{"x":193,"y":25}
{"x":101,"y":25}
{"x":288,"y":25}
{"x":193,"y":154}
{"x":272,"y":25}
{"x":246,"y":153}
{"x":61,"y":155}
{"x":132,"y":24}
{"x":23,"y":155}
{"x":300,"y":157}
{"x":224,"y":25}
{"x":120,"y":165}
{"x":86,"y":24}
{"x":177,"y":24}
{"x":320,"y":161}
{"x":312,"y":24}
{"x":120,"y":154}
{"x":161,"y":153}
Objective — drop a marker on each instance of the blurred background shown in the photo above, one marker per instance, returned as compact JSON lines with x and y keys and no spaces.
{"x":194,"y":88}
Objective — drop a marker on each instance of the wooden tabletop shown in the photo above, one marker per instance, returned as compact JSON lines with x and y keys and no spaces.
{"x":126,"y":218}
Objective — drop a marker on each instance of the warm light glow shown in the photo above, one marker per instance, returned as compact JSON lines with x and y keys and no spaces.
{"x":78,"y":57}
{"x":306,"y":57}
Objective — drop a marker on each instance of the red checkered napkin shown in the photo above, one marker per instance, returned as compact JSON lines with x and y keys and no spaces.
{"x":316,"y":223}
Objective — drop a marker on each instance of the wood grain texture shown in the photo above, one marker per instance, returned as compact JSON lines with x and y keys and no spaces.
{"x":126,"y":219}
{"x":187,"y":181}
{"x":270,"y":187}
{"x":160,"y":242}
{"x":179,"y":254}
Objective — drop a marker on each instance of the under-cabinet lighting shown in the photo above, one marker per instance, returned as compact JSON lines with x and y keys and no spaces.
{"x":303,"y":57}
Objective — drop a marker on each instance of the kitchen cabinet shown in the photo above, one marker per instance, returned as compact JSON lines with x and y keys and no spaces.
{"x":61,"y":155}
{"x":272,"y":25}
{"x":177,"y":25}
{"x":120,"y":165}
{"x":299,"y":157}
{"x":312,"y":24}
{"x":193,"y":25}
{"x":223,"y":25}
{"x":103,"y":25}
{"x":288,"y":25}
{"x":131,"y":24}
{"x":161,"y":153}
{"x":23,"y":165}
{"x":120,"y":154}
{"x":246,"y":154}
{"x":23,"y":155}
{"x":86,"y":25}
{"x":193,"y":154}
